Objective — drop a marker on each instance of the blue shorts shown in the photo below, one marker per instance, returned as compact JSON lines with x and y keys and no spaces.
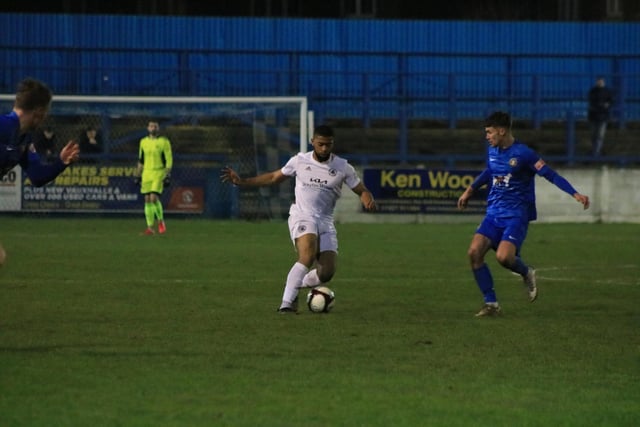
{"x":512,"y":230}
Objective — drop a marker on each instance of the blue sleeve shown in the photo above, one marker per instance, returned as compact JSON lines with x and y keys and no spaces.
{"x":10,"y":147}
{"x":482,"y":179}
{"x":10,"y":156}
{"x":555,"y":178}
{"x":9,"y":126}
{"x":40,"y":173}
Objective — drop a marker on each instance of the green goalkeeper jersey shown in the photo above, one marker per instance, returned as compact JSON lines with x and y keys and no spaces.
{"x":155,"y":153}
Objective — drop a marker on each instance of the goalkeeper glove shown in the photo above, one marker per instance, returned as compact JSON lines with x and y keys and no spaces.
{"x":167,"y":180}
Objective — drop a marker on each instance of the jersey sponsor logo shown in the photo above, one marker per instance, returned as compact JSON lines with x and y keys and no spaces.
{"x":539,"y":164}
{"x":319,"y":181}
{"x":513,"y":162}
{"x":501,"y":181}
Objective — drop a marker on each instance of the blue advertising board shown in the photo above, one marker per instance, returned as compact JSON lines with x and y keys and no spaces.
{"x":110,"y":188}
{"x":426,"y":191}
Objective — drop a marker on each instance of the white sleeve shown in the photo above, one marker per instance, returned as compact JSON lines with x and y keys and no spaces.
{"x":351,"y":177}
{"x":290,"y":168}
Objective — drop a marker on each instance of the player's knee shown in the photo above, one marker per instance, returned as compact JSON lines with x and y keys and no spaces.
{"x":474,"y":254}
{"x":306,"y":260}
{"x":505,"y":260}
{"x":325,"y":275}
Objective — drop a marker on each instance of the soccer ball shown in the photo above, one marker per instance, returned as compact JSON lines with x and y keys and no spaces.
{"x":320,"y":299}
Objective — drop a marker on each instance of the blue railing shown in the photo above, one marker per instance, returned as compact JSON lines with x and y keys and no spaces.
{"x":363,"y":85}
{"x":449,"y":97}
{"x":365,"y":97}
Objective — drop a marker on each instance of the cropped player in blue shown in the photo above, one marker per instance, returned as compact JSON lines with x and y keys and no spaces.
{"x":511,"y":205}
{"x":30,"y":108}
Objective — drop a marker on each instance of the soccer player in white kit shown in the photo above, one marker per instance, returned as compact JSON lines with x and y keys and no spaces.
{"x":319,"y":177}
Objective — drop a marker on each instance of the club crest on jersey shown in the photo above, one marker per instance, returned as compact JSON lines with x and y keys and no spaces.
{"x":513,"y":162}
{"x":333,"y":172}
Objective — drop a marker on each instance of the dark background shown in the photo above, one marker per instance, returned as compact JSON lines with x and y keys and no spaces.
{"x":523,"y":10}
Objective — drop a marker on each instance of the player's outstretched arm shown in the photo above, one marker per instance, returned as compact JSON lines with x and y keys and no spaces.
{"x":40,"y":173}
{"x":269,"y":178}
{"x":483,"y":179}
{"x":560,"y":182}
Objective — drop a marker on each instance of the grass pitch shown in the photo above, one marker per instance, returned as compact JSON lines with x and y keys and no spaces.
{"x":100,"y":326}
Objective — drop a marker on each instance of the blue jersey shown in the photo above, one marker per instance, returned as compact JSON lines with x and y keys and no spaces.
{"x":11,"y":145}
{"x":17,"y":148}
{"x":513,"y":171}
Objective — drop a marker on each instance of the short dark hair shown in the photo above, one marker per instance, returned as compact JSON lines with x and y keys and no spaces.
{"x":32,"y":94}
{"x":498,"y":119}
{"x":323,"y":130}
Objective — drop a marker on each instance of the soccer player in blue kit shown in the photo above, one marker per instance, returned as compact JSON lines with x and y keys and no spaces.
{"x":511,"y":169}
{"x":30,"y":108}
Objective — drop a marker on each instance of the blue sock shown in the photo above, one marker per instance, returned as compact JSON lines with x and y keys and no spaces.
{"x":520,"y":267}
{"x":485,"y":283}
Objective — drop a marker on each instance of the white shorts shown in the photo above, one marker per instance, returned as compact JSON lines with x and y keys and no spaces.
{"x":323,"y":228}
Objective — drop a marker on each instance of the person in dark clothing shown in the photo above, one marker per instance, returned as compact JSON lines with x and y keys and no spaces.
{"x":90,"y":143}
{"x":600,"y":101}
{"x":45,"y":144}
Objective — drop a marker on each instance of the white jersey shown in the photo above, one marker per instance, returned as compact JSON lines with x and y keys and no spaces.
{"x":319,"y":185}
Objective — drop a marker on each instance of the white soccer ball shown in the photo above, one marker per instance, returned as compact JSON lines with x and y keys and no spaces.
{"x":320,"y":299}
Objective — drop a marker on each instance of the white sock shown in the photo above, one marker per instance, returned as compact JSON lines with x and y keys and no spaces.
{"x":311,"y":279}
{"x":294,"y":280}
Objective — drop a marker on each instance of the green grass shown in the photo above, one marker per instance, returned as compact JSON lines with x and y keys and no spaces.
{"x":100,"y":326}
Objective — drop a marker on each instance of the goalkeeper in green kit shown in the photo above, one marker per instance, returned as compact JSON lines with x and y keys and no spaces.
{"x":155,"y":161}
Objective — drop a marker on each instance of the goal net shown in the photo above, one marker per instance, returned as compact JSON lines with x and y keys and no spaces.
{"x":252,"y":134}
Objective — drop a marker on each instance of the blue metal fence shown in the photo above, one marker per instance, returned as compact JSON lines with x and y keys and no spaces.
{"x":347,"y":67}
{"x":443,"y":95}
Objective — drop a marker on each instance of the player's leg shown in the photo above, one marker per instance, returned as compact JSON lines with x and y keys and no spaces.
{"x":148,"y":186}
{"x":508,"y":256}
{"x":327,"y":259}
{"x":480,"y":245}
{"x":156,"y":188}
{"x":306,"y":246}
{"x":324,"y":270}
{"x":162,"y":228}
{"x":597,"y":136}
{"x":304,"y":235}
{"x":149,"y":213}
{"x":602,"y":129}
